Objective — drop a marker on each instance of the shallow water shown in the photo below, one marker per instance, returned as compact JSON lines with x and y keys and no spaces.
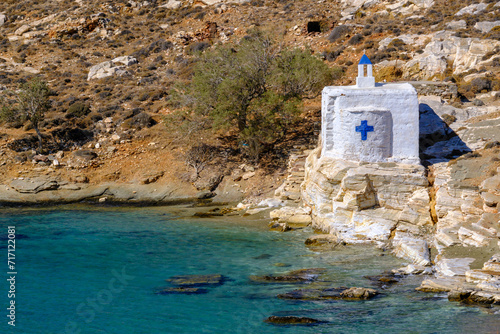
{"x":95,"y":270}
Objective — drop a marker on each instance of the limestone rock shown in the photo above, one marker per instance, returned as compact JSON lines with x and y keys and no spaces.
{"x":472,"y":9}
{"x":172,"y":4}
{"x":412,"y":269}
{"x":22,"y":29}
{"x":247,"y":175}
{"x":109,"y":68}
{"x":486,"y":26}
{"x":456,"y":25}
{"x":444,"y":47}
{"x":3,"y":19}
{"x":481,"y":275}
{"x":286,"y":212}
{"x":339,"y":193}
{"x":441,"y":284}
{"x":125,"y":60}
{"x":412,"y":248}
{"x":453,"y":267}
{"x":33,"y":186}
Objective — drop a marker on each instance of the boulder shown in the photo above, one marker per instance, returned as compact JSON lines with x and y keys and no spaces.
{"x":109,"y":68}
{"x":125,"y":60}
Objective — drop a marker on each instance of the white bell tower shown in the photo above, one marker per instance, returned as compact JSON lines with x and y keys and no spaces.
{"x":363,"y":81}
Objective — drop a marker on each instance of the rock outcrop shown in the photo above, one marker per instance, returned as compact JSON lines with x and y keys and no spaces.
{"x":370,"y":202}
{"x":444,"y":50}
{"x":110,"y":68}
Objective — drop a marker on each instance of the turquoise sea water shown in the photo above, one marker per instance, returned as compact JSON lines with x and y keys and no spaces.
{"x":95,"y":270}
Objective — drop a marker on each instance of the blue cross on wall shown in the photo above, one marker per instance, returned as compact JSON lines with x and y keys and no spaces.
{"x":364,"y":128}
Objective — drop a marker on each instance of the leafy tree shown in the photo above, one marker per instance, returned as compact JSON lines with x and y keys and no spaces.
{"x":256,"y":88}
{"x":33,"y":102}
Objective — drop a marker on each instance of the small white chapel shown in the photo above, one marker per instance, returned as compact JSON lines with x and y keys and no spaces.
{"x":369,"y":121}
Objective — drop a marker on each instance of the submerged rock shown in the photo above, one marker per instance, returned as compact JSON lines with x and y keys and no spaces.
{"x":296,"y":276}
{"x":292,"y":320}
{"x":384,"y":279}
{"x":326,"y":241}
{"x":354,"y":293}
{"x":182,"y":291}
{"x":196,"y":280}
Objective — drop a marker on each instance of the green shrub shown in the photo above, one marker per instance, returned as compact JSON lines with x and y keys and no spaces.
{"x":77,"y":109}
{"x":254,"y":88}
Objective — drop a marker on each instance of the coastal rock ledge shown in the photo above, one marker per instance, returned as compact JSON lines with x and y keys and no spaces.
{"x":386,"y":203}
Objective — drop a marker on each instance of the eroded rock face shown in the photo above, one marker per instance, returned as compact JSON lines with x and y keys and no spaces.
{"x":370,"y":202}
{"x":445,"y":48}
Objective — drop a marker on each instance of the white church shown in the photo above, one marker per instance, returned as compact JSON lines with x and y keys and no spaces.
{"x":371,"y":122}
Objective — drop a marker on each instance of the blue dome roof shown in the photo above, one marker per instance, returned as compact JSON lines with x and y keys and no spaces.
{"x":364,"y":60}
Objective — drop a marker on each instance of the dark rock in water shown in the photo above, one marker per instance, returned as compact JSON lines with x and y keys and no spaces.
{"x":281,"y":264}
{"x":312,"y":294}
{"x":196,"y":280}
{"x":292,"y":320}
{"x":207,"y":214}
{"x":263,"y":257}
{"x":280,"y":227}
{"x":331,"y":293}
{"x":296,"y":276}
{"x":458,"y":295}
{"x":474,"y":297}
{"x":182,"y":291}
{"x":387,"y":278}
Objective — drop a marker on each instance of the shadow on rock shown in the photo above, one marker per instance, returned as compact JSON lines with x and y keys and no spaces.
{"x":438,"y":142}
